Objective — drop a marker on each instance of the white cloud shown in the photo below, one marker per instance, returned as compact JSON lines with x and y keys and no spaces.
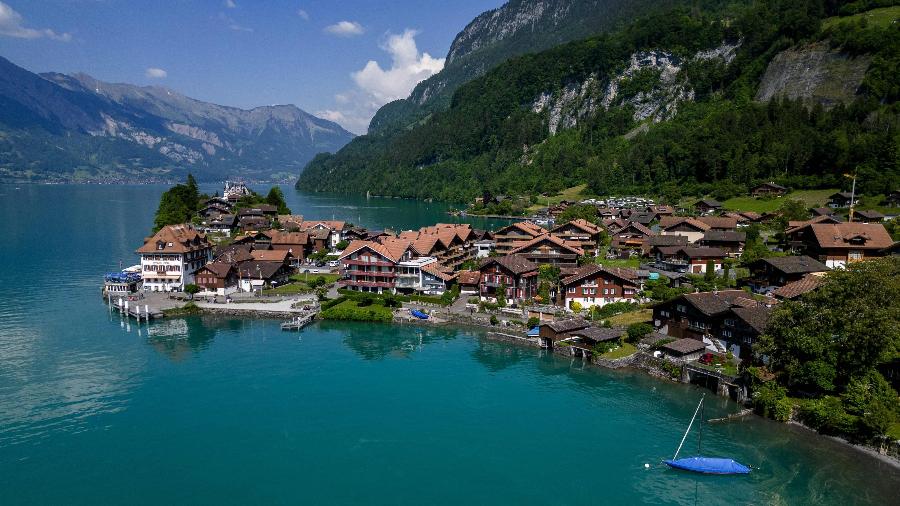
{"x":232,"y":24}
{"x":303,"y":14}
{"x":11,"y":25}
{"x":156,"y":73}
{"x":230,"y":4}
{"x":376,"y":86}
{"x":345,"y":29}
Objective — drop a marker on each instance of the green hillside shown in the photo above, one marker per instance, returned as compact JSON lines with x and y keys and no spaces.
{"x":720,"y":142}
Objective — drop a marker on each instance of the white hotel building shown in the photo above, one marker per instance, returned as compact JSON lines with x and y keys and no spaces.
{"x":170,"y":258}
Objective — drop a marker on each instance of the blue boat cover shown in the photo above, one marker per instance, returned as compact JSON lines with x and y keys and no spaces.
{"x":709,"y":465}
{"x":534,"y":332}
{"x":418,"y":314}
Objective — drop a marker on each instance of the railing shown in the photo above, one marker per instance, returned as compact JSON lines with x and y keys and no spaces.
{"x":383,"y":274}
{"x":370,"y":284}
{"x":347,"y":261}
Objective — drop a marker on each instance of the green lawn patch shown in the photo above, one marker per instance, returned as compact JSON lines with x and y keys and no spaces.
{"x":626,"y":350}
{"x":629,"y":263}
{"x":351,"y":310}
{"x":879,"y":18}
{"x":573,"y":194}
{"x":812,"y":198}
{"x":894,"y":431}
{"x":626,"y":319}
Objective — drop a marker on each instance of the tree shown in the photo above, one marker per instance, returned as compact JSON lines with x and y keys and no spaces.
{"x":501,"y":295}
{"x":276,"y":198}
{"x":578,"y":211}
{"x":191,"y":290}
{"x":177,"y":204}
{"x":637,"y":331}
{"x":342,"y":245}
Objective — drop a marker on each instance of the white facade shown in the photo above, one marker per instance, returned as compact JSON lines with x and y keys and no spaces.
{"x":410,"y":275}
{"x":166,"y":272}
{"x":483,"y":248}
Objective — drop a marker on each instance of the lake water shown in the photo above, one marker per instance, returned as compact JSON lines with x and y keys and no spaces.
{"x":224,"y":411}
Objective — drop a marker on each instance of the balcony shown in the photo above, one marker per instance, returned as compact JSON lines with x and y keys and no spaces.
{"x":369,"y":284}
{"x":380,"y":274}
{"x":347,"y":261}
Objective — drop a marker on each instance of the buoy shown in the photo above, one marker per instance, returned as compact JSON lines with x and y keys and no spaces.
{"x":646,"y":466}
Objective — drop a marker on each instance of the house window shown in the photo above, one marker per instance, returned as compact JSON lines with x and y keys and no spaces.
{"x":571,"y":289}
{"x":855,"y":255}
{"x":726,"y":333}
{"x":681,"y":308}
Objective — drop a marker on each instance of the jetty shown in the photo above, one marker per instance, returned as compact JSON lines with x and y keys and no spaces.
{"x":299,"y":322}
{"x":134,"y":309}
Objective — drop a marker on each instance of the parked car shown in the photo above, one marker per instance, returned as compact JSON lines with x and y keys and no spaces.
{"x":334,"y":263}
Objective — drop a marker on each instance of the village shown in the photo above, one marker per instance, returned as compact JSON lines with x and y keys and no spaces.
{"x":641,"y":281}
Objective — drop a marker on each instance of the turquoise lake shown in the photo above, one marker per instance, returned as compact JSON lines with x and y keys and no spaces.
{"x":223,"y":411}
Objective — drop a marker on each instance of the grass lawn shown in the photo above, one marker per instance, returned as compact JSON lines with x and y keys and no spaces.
{"x":728,"y":368}
{"x":880,"y":18}
{"x":573,"y":194}
{"x":625,"y":350}
{"x":894,"y":431}
{"x":329,"y":278}
{"x":626,"y":319}
{"x":630,"y":263}
{"x":812,"y":198}
{"x":298,"y":284}
{"x":351,"y":310}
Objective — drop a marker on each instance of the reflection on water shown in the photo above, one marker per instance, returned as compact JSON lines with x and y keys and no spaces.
{"x":380,"y":341}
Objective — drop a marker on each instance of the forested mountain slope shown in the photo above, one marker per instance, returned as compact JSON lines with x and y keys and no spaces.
{"x":667,"y":104}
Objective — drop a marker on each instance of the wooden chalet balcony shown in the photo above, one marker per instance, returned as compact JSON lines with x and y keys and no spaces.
{"x":380,"y":274}
{"x":379,"y":263}
{"x":369,"y":284}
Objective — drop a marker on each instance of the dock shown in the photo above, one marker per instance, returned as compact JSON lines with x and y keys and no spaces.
{"x":298,"y":322}
{"x":134,"y":309}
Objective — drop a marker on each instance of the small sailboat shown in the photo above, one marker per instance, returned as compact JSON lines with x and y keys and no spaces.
{"x":705,"y":465}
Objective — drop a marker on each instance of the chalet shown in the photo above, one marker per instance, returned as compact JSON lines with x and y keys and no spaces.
{"x":258,"y":274}
{"x":683,"y":350}
{"x":631,"y":238}
{"x":170,"y":257}
{"x":436,"y":278}
{"x":868,"y":217}
{"x":250,"y":222}
{"x":822,"y":211}
{"x":689,"y":259}
{"x":796,"y":289}
{"x":468,"y":282}
{"x":731,"y":242}
{"x":691,"y":228}
{"x":837,"y":244}
{"x":707,"y":206}
{"x":551,"y":250}
{"x":842,"y":199}
{"x":218,"y":277}
{"x":766,"y":274}
{"x":768,"y":190}
{"x":644,"y":219}
{"x":702,"y":317}
{"x":554,"y":331}
{"x":221,"y":223}
{"x":653,"y":243}
{"x":582,"y":342}
{"x":290,"y":222}
{"x":516,"y":273}
{"x":296,"y":243}
{"x":355,"y":234}
{"x":719,"y":222}
{"x":372,"y":267}
{"x":751,"y":216}
{"x":593,"y":285}
{"x":509,"y":236}
{"x":661,"y":210}
{"x":743,"y":326}
{"x":584,"y":233}
{"x":893,"y":199}
{"x":827,"y":218}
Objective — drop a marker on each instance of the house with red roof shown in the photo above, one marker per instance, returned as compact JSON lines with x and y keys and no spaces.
{"x":594,"y":285}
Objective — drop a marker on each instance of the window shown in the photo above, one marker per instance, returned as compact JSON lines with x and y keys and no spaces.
{"x":726,"y":333}
{"x":571,"y":289}
{"x":855,"y":255}
{"x":681,"y":308}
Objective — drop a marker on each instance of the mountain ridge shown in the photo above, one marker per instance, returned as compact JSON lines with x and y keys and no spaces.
{"x":146,"y":130}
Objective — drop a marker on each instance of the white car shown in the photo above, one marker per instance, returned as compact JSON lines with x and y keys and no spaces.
{"x":334,"y":263}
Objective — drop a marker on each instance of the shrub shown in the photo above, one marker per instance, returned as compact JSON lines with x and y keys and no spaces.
{"x":637,"y":331}
{"x":771,"y":400}
{"x":364,"y":300}
{"x":575,"y":306}
{"x":473,"y":300}
{"x":534,"y":321}
{"x":494,"y":320}
{"x":827,"y":415}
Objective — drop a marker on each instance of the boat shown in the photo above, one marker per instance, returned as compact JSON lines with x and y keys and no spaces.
{"x":700,"y":464}
{"x":418,"y":314}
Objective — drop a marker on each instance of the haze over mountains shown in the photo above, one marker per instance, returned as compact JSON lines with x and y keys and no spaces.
{"x":58,"y":127}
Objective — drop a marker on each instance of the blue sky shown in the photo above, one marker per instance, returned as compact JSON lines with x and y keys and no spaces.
{"x":315,"y":54}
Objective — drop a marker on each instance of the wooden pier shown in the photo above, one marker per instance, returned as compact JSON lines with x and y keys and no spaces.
{"x":134,"y":309}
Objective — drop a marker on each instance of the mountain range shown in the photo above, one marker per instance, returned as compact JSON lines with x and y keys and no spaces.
{"x":58,"y":127}
{"x":706,"y":97}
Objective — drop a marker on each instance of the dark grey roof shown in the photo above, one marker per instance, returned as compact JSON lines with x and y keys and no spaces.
{"x":709,"y":202}
{"x":755,"y":317}
{"x":515,"y":263}
{"x":685,"y":346}
{"x":599,"y":334}
{"x":800,"y":264}
{"x":711,"y":303}
{"x":567,"y":325}
{"x":668,"y":240}
{"x":724,"y":236}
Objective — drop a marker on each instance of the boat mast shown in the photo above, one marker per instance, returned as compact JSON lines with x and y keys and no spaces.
{"x":689,"y":427}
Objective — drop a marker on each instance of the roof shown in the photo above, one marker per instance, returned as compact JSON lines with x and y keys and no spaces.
{"x":721,"y":222}
{"x":800,"y":264}
{"x":702,"y":252}
{"x":756,"y":317}
{"x":667,"y":240}
{"x":439,"y":271}
{"x":569,"y":325}
{"x":750,"y":215}
{"x":869,"y":214}
{"x":391,"y":251}
{"x":843,"y":195}
{"x":724,"y":236}
{"x":270,"y":255}
{"x":581,"y":224}
{"x":516,"y":264}
{"x":685,"y":346}
{"x":264,"y":270}
{"x":824,"y":218}
{"x":823,"y":211}
{"x":549,"y":238}
{"x":587,"y":270}
{"x":219,"y":269}
{"x":279,"y":237}
{"x":175,"y":239}
{"x":469,"y":277}
{"x":526,"y":227}
{"x":797,"y":288}
{"x":667,"y":222}
{"x":771,"y":185}
{"x":711,"y":303}
{"x":709,"y":203}
{"x":840,"y":235}
{"x":599,"y":334}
